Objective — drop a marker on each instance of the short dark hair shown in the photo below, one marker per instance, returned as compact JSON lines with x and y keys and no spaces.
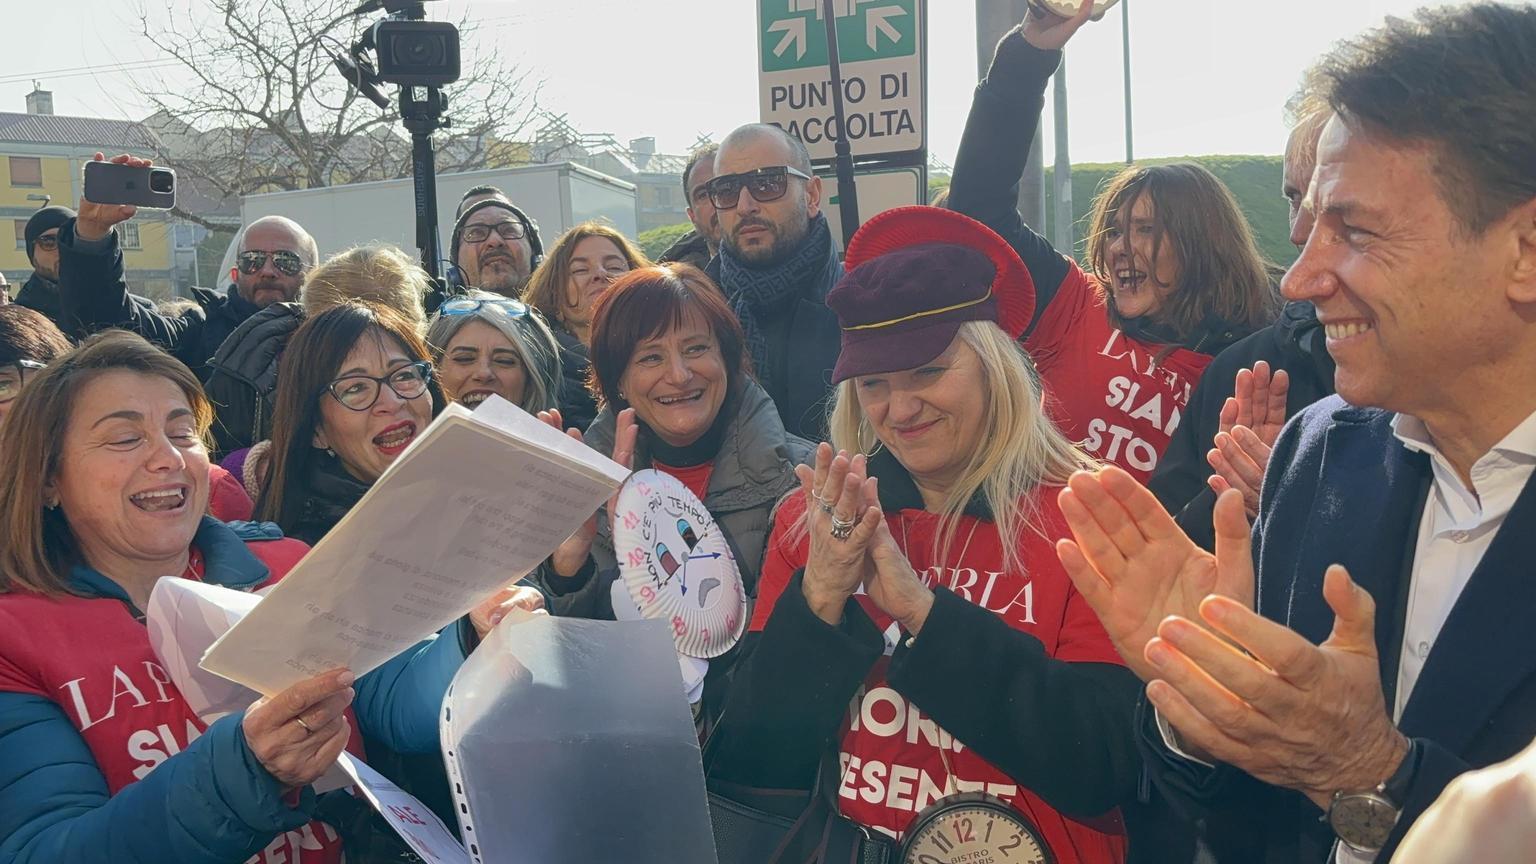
{"x":1460,"y":79}
{"x":799,"y":157}
{"x":707,"y":151}
{"x":647,"y":302}
{"x":29,"y":335}
{"x":482,"y":189}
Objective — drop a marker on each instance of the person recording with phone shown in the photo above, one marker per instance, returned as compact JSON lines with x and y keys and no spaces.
{"x":276,"y":254}
{"x":40,"y":292}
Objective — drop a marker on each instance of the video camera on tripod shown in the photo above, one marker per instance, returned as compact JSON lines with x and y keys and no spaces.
{"x":420,"y":56}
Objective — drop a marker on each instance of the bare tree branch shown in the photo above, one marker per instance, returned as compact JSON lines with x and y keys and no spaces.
{"x":257,"y":106}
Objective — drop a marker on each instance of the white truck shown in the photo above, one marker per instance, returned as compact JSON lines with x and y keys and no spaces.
{"x":556,"y":196}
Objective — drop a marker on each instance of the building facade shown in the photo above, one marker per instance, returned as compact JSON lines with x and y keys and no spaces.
{"x":42,"y":157}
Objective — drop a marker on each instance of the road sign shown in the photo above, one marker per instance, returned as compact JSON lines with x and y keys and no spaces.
{"x":881,"y":48}
{"x":879,"y":190}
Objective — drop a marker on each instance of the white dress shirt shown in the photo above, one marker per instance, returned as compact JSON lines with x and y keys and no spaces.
{"x":1458,"y":526}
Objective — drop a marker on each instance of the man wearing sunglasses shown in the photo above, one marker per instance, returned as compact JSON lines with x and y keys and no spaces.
{"x":40,"y":292}
{"x":776,"y":265}
{"x":275,"y":254}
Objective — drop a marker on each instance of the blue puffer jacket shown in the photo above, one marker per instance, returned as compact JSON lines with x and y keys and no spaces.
{"x":212,"y":803}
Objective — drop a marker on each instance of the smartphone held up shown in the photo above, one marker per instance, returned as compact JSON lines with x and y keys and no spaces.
{"x":150,"y":186}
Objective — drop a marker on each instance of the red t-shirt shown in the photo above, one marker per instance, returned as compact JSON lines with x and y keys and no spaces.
{"x":113,"y":688}
{"x":694,"y":478}
{"x":1104,"y":389}
{"x":891,"y":750}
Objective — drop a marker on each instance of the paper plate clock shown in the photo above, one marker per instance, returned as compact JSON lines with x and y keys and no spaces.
{"x":1068,"y":8}
{"x":677,"y":565}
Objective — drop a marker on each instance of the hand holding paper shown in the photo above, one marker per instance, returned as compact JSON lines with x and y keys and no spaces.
{"x":474,"y":504}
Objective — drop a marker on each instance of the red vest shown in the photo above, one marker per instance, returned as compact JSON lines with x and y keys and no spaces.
{"x":1104,"y":389}
{"x":893,"y":755}
{"x":94,"y":659}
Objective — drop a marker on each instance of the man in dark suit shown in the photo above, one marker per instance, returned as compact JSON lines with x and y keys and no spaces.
{"x":1390,"y":564}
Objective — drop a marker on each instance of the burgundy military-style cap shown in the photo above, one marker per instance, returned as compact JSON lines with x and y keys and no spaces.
{"x":915,"y":274}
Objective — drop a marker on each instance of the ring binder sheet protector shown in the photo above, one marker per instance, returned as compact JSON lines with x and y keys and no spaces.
{"x":569,"y":740}
{"x":473,"y":505}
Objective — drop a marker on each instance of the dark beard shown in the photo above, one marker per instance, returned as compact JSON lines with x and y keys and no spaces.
{"x":785,"y":242}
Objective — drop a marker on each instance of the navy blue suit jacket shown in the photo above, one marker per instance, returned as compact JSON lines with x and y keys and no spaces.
{"x":1342,"y":489}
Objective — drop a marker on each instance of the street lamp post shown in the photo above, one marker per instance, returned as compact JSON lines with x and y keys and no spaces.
{"x":1125,"y":38}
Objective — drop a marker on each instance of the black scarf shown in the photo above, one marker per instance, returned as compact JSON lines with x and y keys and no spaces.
{"x":755,"y":293}
{"x":898,"y":491}
{"x":330,"y":494}
{"x":701,"y":451}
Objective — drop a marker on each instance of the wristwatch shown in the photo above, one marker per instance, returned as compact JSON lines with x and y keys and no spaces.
{"x":1364,"y":820}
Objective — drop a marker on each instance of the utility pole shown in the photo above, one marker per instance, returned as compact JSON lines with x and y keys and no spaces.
{"x":993,"y":19}
{"x":1125,"y":39}
{"x":1062,"y":237}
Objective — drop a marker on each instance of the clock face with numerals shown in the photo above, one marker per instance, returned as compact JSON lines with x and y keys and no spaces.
{"x":677,"y":565}
{"x":973,"y":829}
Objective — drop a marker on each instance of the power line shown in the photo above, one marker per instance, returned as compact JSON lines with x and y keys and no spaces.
{"x":81,"y":71}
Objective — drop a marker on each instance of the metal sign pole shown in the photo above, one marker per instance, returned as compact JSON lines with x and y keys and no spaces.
{"x":847,"y":193}
{"x":1125,"y":36}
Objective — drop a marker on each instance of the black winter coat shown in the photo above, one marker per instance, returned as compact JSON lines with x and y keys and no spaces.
{"x":578,"y":407}
{"x":94,"y":292}
{"x":1293,"y":343}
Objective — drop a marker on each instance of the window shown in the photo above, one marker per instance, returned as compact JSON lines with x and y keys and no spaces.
{"x":21,"y":233}
{"x":26,"y":171}
{"x":130,"y":235}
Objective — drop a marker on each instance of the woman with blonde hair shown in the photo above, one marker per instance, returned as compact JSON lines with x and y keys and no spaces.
{"x":380,"y":274}
{"x":485,"y":344}
{"x":916,"y":576}
{"x":576,"y":271}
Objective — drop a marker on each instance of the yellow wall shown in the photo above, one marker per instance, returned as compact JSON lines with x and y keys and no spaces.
{"x":56,"y":182}
{"x":154,"y":238}
{"x":154,"y":253}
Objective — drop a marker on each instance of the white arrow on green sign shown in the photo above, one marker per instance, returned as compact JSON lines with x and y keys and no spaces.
{"x":880,"y":48}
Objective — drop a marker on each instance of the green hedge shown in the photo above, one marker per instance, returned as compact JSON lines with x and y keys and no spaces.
{"x":657,"y":240}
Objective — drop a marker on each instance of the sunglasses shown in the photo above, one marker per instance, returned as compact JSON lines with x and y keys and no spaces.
{"x":13,"y":377}
{"x":47,"y":242}
{"x":765,"y":184}
{"x":469,"y":306}
{"x":511,"y":229}
{"x":361,"y":392}
{"x":252,"y":260}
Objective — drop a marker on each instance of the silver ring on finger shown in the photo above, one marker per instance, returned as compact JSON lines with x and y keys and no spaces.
{"x":827,"y":509}
{"x":842,"y":529}
{"x":307,"y":731}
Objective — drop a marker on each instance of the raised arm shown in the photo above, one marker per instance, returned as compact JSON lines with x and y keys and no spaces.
{"x":1005,"y":113}
{"x":93,"y":290}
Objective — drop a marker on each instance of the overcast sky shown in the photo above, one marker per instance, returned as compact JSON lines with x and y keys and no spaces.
{"x":1210,"y":76}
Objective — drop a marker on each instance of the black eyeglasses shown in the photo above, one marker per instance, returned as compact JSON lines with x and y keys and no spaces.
{"x":252,"y":260}
{"x":47,"y":242}
{"x":360,"y":392}
{"x":469,"y":306}
{"x":511,"y":229}
{"x":765,"y":184}
{"x":13,"y":377}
